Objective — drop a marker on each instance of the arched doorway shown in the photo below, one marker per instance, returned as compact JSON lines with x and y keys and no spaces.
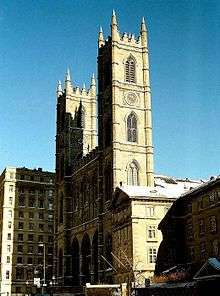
{"x":75,"y":262}
{"x":86,"y":260}
{"x":95,"y":257}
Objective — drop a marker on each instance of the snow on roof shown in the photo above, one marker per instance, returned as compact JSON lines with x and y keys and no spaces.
{"x":165,"y":186}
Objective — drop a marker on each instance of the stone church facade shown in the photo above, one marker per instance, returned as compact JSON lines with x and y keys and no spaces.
{"x":92,"y":162}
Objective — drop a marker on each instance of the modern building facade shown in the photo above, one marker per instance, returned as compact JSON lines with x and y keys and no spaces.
{"x":26,"y":232}
{"x":191,"y":228}
{"x":88,"y":172}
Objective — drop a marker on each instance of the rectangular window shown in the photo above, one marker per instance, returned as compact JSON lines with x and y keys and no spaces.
{"x":201,"y":226}
{"x":40,"y":261}
{"x":8,"y":259}
{"x":30,"y":237}
{"x":21,"y":201}
{"x":149,"y":211}
{"x":9,"y":236}
{"x":50,"y":206}
{"x":21,"y":214}
{"x":212,"y":197}
{"x":19,"y":273}
{"x":11,"y":188}
{"x":152,"y":255}
{"x":50,"y":239}
{"x":10,"y":199}
{"x":11,"y":175}
{"x":20,"y":225}
{"x":151,"y":232}
{"x":40,"y":203}
{"x":9,"y":224}
{"x":20,"y":248}
{"x":213,"y":224}
{"x":19,"y":260}
{"x":30,"y":249}
{"x":31,"y":215}
{"x":41,"y":227}
{"x":41,"y":216}
{"x":31,"y":226}
{"x":40,"y":249}
{"x":20,"y":237}
{"x":8,"y":248}
{"x":10,"y":213}
{"x":50,"y":250}
{"x":29,"y":260}
{"x":7,"y":274}
{"x":31,"y":202}
{"x":40,"y":238}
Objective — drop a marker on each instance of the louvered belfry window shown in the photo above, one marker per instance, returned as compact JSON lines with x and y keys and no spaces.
{"x":132,"y":128}
{"x":130,"y":70}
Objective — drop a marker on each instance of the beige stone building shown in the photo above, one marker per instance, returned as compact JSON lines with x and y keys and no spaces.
{"x":26,"y":228}
{"x":88,"y":172}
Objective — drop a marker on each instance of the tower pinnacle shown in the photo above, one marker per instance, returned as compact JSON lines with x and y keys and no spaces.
{"x":143,"y":33}
{"x":68,"y":84}
{"x":101,"y":37}
{"x":114,"y":27}
{"x":59,"y":88}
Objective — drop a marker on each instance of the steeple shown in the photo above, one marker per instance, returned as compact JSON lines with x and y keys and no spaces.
{"x":100,"y":38}
{"x":143,"y":33}
{"x":114,"y":27}
{"x":68,"y":84}
{"x":59,"y":89}
{"x":93,"y":84}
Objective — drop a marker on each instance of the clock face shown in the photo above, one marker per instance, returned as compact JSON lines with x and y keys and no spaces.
{"x":131,"y":98}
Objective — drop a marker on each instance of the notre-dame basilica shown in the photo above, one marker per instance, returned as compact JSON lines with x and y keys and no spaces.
{"x":104,"y":164}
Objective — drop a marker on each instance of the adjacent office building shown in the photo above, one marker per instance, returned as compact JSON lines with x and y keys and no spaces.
{"x":26,"y":228}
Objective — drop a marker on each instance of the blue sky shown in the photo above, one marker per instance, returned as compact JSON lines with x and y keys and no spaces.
{"x":40,"y":39}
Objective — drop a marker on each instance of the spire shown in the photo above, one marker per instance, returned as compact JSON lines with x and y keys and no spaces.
{"x":114,"y":19}
{"x":100,"y":38}
{"x":84,"y":88}
{"x":143,"y":33}
{"x":59,"y":88}
{"x":143,"y":25}
{"x":93,"y":85}
{"x":68,"y":84}
{"x":114,"y":27}
{"x":93,"y":80}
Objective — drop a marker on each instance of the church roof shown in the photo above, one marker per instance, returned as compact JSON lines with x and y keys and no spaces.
{"x":165,"y":187}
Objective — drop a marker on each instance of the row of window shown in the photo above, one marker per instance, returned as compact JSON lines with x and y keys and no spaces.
{"x":211,"y":227}
{"x":208,"y":200}
{"x":32,"y":215}
{"x":33,"y":191}
{"x":35,"y":178}
{"x":31,"y":249}
{"x":204,"y":252}
{"x":31,"y":237}
{"x":33,"y":202}
{"x":34,"y":226}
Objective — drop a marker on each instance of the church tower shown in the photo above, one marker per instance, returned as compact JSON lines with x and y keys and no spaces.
{"x":124,"y":107}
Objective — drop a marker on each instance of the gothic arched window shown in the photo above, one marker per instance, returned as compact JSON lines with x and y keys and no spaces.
{"x":130,"y":70}
{"x":132,"y":128}
{"x":132,"y":174}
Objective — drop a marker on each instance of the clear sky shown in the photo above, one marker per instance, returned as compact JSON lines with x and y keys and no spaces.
{"x":40,"y":39}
